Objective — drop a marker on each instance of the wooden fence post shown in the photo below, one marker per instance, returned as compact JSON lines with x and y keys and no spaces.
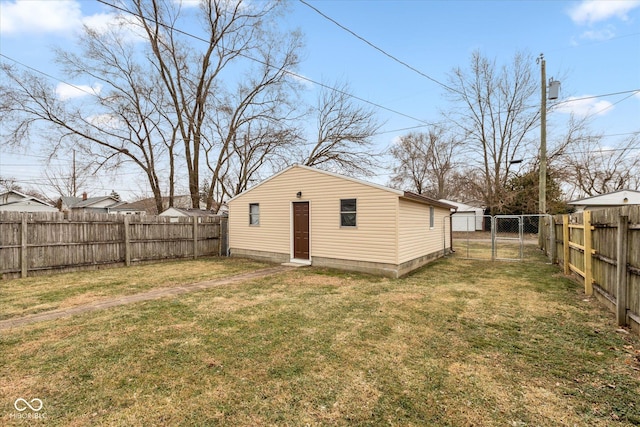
{"x":24,"y":268}
{"x":621,"y":267}
{"x":127,"y":241}
{"x":195,"y":237}
{"x":566,"y":252}
{"x":219,"y":234}
{"x":588,"y":260}
{"x":552,"y":240}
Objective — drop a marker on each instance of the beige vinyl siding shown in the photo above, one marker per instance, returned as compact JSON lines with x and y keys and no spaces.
{"x":272,"y":234}
{"x":415,"y":237}
{"x":373,"y":239}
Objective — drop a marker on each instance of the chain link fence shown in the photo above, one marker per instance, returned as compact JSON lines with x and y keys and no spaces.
{"x":498,"y":237}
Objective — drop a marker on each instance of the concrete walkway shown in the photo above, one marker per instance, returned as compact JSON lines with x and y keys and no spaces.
{"x":144,"y":296}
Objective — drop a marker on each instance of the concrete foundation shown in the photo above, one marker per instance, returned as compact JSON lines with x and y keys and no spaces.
{"x":377,"y":268}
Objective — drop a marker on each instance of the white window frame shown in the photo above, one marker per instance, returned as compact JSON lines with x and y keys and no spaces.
{"x":432,"y":217}
{"x":254,"y":217}
{"x":355,"y":212}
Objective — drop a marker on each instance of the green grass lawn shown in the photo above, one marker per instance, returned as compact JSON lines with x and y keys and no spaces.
{"x":458,"y":343}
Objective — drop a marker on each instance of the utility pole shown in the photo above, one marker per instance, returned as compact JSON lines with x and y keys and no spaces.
{"x":542,"y":179}
{"x":542,"y":190}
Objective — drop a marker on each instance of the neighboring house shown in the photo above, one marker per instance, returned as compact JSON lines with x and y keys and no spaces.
{"x":14,"y":201}
{"x":102,"y":204}
{"x":466,"y":217}
{"x":126,"y":209}
{"x":324,"y":219}
{"x":148,"y":205}
{"x":609,"y":200}
{"x":174,"y":212}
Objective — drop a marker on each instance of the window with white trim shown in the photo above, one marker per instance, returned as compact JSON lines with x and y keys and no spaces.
{"x":432,"y":217}
{"x":348,"y":212}
{"x":254,"y":213}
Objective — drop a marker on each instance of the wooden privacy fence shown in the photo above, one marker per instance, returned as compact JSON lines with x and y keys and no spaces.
{"x":32,"y":243}
{"x":602,"y":247}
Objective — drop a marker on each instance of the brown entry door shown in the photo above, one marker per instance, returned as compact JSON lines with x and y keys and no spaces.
{"x":301,"y":230}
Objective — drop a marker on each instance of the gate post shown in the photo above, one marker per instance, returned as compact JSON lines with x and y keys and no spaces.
{"x":521,"y":235}
{"x":493,"y":238}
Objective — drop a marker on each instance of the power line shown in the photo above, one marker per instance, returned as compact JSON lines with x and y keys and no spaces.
{"x":46,"y":74}
{"x":301,"y":77}
{"x":291,"y":73}
{"x":384,"y":52}
{"x":632,"y":91}
{"x":597,"y":42}
{"x":609,"y":106}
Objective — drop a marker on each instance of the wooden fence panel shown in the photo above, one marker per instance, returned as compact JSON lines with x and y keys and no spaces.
{"x":80,"y":240}
{"x":609,"y":278}
{"x":576,"y":245}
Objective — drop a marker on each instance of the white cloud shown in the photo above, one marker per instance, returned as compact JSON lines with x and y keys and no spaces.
{"x":66,"y":91}
{"x":62,"y":17}
{"x":105,"y":121}
{"x":598,"y":35}
{"x":127,"y":27}
{"x":188,"y":3}
{"x":29,"y":16}
{"x":100,"y":22}
{"x":591,"y":11}
{"x":584,"y":107}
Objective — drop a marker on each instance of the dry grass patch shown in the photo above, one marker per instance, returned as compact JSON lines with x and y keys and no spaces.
{"x":19,"y":297}
{"x":458,"y":343}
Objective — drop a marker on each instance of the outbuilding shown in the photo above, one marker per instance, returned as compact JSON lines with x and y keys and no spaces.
{"x":466,"y":217}
{"x":607,"y":200}
{"x":310,"y":216}
{"x":15,"y":201}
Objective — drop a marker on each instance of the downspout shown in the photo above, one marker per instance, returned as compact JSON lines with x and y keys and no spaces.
{"x":451,"y":230}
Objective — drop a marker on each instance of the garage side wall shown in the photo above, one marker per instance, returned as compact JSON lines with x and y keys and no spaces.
{"x":418,"y":242}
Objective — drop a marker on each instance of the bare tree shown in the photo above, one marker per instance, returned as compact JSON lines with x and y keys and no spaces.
{"x":234,"y":31}
{"x":121,"y":122}
{"x":425,"y":162}
{"x":590,"y":168}
{"x":9,"y":184}
{"x":492,"y":110}
{"x":69,"y":179}
{"x":253,"y":125}
{"x":343,"y":141}
{"x":160,"y":89}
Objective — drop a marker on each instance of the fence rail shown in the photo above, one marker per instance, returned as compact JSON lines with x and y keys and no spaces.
{"x":36,"y":243}
{"x":602,"y":247}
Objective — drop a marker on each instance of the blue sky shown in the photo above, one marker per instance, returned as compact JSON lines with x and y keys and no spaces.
{"x":592,"y":46}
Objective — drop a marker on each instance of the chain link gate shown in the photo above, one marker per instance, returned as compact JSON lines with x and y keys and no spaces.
{"x":499,"y":237}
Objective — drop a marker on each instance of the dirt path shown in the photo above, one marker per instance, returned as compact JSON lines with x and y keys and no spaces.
{"x":143,"y":296}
